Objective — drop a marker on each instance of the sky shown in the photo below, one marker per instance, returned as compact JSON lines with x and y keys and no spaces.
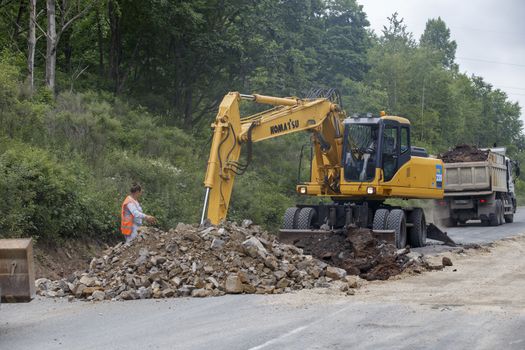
{"x":490,"y":35}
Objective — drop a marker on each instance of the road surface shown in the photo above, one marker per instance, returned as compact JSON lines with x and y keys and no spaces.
{"x":479,"y":303}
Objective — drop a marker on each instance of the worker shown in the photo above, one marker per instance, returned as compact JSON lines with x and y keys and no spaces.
{"x":132,"y":215}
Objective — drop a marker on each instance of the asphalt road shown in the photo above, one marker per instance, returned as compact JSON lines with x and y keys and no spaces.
{"x":474,"y":232}
{"x":306,"y":320}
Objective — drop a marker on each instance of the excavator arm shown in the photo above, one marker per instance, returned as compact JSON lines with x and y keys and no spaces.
{"x":231,"y":132}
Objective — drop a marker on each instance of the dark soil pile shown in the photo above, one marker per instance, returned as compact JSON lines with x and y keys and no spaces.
{"x":358,"y":252}
{"x":464,"y":153}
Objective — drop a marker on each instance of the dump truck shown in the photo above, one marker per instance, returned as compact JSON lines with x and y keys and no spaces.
{"x":357,"y":162}
{"x":479,"y":185}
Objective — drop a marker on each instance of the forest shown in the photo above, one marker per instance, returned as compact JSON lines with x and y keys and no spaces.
{"x":95,"y":94}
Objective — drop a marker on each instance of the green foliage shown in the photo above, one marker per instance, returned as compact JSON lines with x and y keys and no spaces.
{"x":138,"y":84}
{"x":44,"y":198}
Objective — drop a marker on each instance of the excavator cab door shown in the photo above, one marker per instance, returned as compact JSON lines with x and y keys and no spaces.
{"x":395,"y":147}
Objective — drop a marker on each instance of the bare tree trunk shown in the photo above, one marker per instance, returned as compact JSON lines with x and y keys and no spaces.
{"x":114,"y":48}
{"x":51,"y":57}
{"x":100,"y":47}
{"x":31,"y":44}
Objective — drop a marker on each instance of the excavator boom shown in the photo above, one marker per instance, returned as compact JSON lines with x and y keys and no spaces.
{"x":230,"y":132}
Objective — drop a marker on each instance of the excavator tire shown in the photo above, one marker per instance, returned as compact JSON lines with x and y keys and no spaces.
{"x":417,"y":234}
{"x":290,"y":218}
{"x":396,"y":221}
{"x":305,"y":218}
{"x":509,"y":218}
{"x":380,"y":218}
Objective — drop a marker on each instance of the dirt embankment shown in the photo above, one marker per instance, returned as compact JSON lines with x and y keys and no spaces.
{"x":55,"y":261}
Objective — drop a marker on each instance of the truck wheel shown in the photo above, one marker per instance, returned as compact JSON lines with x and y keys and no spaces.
{"x":290,"y":218}
{"x":380,"y":218}
{"x":417,"y":234}
{"x":305,"y":218}
{"x":396,"y":221}
{"x":509,"y":218}
{"x":502,"y":212}
{"x":495,"y":218}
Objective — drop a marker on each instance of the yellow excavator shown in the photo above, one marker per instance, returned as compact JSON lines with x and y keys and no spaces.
{"x":357,"y":162}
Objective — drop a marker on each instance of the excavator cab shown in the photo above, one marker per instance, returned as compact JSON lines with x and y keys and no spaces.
{"x":372,"y":143}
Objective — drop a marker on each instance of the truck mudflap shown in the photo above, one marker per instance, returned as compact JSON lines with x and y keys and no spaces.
{"x":17,"y":273}
{"x":292,"y":236}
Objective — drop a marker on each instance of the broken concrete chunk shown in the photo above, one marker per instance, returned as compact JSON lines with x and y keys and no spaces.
{"x":335,"y":272}
{"x":233,"y":284}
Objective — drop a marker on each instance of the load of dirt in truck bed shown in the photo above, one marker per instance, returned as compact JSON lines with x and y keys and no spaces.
{"x":217,"y":260}
{"x":464,"y":153}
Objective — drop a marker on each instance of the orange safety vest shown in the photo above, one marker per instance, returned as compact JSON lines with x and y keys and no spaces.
{"x":126,"y":218}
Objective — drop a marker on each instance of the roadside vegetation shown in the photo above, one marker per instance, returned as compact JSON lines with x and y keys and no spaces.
{"x":137,"y":84}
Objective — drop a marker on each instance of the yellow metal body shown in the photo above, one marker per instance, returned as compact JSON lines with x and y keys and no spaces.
{"x":323,"y":119}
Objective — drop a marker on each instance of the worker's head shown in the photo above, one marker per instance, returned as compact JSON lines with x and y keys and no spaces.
{"x":136,"y":190}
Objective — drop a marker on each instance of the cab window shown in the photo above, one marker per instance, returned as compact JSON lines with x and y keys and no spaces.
{"x":404,"y":140}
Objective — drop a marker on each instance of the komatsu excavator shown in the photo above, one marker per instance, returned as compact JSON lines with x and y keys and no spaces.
{"x":358,"y":162}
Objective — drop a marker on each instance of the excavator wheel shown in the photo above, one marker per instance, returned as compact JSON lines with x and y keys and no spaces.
{"x":396,"y":221}
{"x":305,"y":218}
{"x":290,"y":218}
{"x":380,"y":218}
{"x":417,"y":234}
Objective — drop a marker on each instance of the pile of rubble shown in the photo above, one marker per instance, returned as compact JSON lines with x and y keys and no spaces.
{"x":464,"y":153}
{"x":358,"y":253}
{"x":213,"y":261}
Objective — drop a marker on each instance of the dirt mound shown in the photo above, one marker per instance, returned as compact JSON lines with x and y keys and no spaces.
{"x":464,"y":153}
{"x":212,"y":261}
{"x":357,"y":252}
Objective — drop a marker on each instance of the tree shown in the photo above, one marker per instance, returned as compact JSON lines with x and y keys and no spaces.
{"x":69,"y":13}
{"x":31,"y":45}
{"x":437,"y":37}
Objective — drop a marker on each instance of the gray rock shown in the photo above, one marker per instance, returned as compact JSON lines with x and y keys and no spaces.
{"x":254,"y":248}
{"x":98,"y":295}
{"x":200,"y":293}
{"x":335,"y":273}
{"x":279,"y":274}
{"x":246,"y":223}
{"x":43,"y":284}
{"x":233,"y":284}
{"x":213,"y":281}
{"x":217,"y":244}
{"x":88,"y":281}
{"x":144,"y":292}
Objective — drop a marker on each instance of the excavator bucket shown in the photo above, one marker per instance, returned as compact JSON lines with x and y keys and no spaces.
{"x":293,"y":236}
{"x":17,"y":273}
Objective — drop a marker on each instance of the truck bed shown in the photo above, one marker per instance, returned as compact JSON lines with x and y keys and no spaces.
{"x":475,"y":177}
